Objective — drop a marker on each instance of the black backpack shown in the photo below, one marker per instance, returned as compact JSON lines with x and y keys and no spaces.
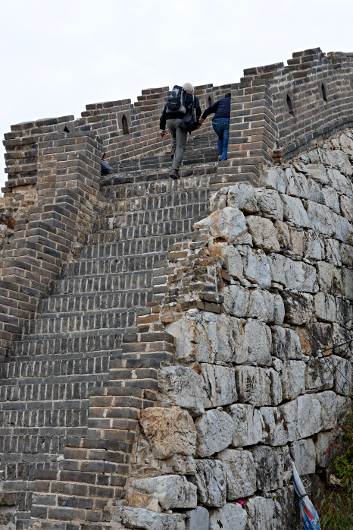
{"x":189,"y":123}
{"x":176,"y":100}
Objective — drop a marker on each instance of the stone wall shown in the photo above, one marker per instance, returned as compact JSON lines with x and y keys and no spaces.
{"x":127,"y":408}
{"x":51,"y":228}
{"x":252,"y":300}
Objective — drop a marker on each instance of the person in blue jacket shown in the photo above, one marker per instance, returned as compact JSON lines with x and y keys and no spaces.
{"x":220,"y":123}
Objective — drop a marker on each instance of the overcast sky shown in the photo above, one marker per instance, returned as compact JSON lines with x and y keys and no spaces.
{"x":59,"y":55}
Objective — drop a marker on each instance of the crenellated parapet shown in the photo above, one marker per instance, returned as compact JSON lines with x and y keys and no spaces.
{"x":279,"y":111}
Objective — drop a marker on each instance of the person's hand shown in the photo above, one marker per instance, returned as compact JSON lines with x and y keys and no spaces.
{"x":162,"y":133}
{"x":199,"y":125}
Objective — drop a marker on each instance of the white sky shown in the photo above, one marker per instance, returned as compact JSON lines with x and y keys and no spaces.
{"x":59,"y":55}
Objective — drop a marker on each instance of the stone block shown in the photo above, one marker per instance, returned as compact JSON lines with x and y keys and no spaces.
{"x":210,"y":480}
{"x":169,"y":491}
{"x":263,"y":233}
{"x":296,"y":414}
{"x":266,"y":306}
{"x":338,"y":160}
{"x":243,"y":196}
{"x":218,"y":200}
{"x":292,"y":378}
{"x":256,"y":267}
{"x":298,"y":184}
{"x":343,"y":230}
{"x":323,"y":441}
{"x":318,"y":173}
{"x":304,"y":456}
{"x":330,"y":199}
{"x":329,"y":278}
{"x":330,"y":405}
{"x":233,"y":261}
{"x":286,"y":344}
{"x":230,"y":517}
{"x":318,"y":375}
{"x":215,"y":431}
{"x":314,"y":247}
{"x":258,"y":339}
{"x":344,"y":312}
{"x":147,"y":465}
{"x":298,"y":307}
{"x":187,"y":334}
{"x":315,"y":193}
{"x":257,"y":303}
{"x":220,"y":385}
{"x":274,"y":431}
{"x":342,"y":370}
{"x":269,"y":468}
{"x":293,"y":274}
{"x":169,"y":431}
{"x":346,"y":204}
{"x":321,"y":219}
{"x":198,"y":519}
{"x":236,"y":300}
{"x":270,"y":204}
{"x":346,"y":255}
{"x":253,"y":385}
{"x":229,"y":224}
{"x":240,"y":472}
{"x":347,"y":283}
{"x":315,"y":336}
{"x":285,"y":514}
{"x":325,"y":307}
{"x":276,"y":391}
{"x":247,"y":425}
{"x":207,"y":337}
{"x":145,"y":519}
{"x":346,"y":144}
{"x":275,"y":179}
{"x":339,"y":182}
{"x":294,"y":212}
{"x":342,"y":409}
{"x":184,"y":387}
{"x":290,"y":238}
{"x":261,"y":512}
{"x":340,"y":335}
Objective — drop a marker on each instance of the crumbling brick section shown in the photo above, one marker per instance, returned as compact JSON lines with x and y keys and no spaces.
{"x":68,"y":182}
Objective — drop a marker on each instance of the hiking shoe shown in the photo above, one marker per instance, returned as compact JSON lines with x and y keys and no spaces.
{"x":219,"y":157}
{"x":174,"y":174}
{"x":172,"y":154}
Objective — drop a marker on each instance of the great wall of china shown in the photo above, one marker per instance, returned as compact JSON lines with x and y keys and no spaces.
{"x":160,"y":340}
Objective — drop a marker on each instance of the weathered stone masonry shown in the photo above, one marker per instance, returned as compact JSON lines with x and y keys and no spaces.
{"x":154,"y":373}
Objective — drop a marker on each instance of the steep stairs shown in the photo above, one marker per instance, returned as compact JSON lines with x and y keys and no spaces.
{"x":72,"y":350}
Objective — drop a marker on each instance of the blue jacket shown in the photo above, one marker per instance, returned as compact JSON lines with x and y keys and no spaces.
{"x":221,"y":109}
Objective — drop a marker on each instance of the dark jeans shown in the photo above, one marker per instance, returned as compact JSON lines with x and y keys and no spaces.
{"x":221,"y":128}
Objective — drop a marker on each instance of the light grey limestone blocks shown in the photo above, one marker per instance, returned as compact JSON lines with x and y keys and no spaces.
{"x":250,"y":390}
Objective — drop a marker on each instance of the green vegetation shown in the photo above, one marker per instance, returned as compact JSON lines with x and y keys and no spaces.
{"x":336,"y":502}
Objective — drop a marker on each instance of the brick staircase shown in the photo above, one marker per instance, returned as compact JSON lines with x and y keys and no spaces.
{"x":63,"y":385}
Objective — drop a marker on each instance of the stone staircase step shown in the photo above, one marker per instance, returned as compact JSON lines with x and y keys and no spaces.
{"x":77,"y":342}
{"x":68,"y":364}
{"x":108,"y":282}
{"x":87,"y":302}
{"x":76,"y":322}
